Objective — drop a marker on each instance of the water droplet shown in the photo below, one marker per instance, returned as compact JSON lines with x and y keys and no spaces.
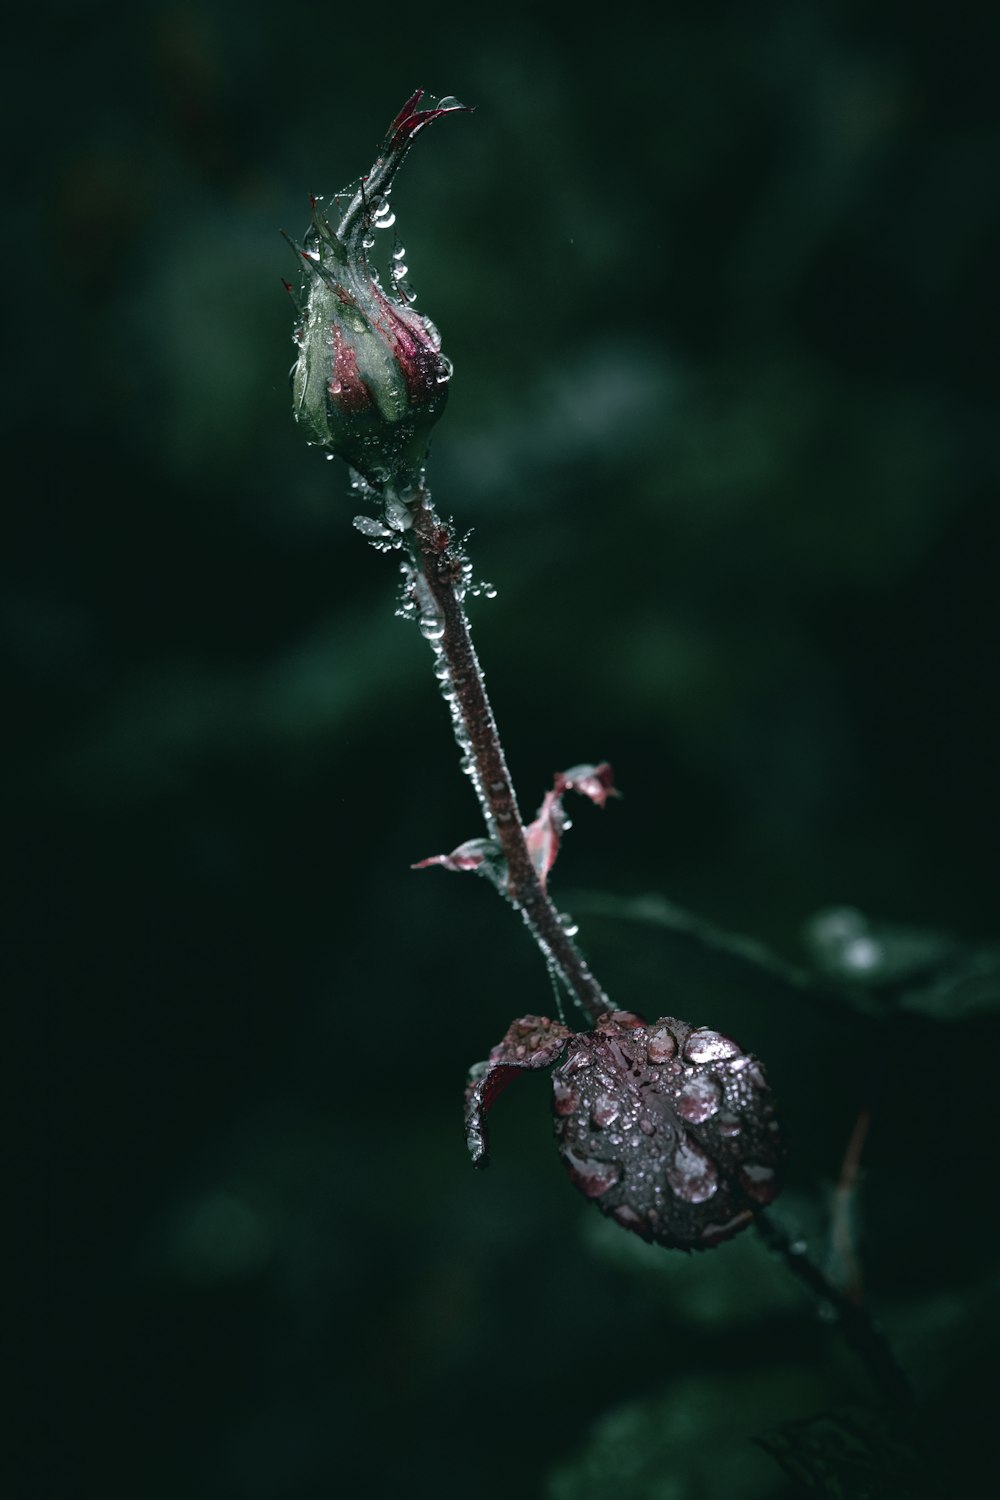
{"x":449,"y":102}
{"x":661,"y":1045}
{"x":432,"y":333}
{"x":592,"y":1177}
{"x":861,"y":954}
{"x":368,"y":240}
{"x":729,"y":1125}
{"x":369,"y":527}
{"x":445,"y":369}
{"x":564,"y":1100}
{"x":759,"y":1182}
{"x":431,"y":627}
{"x":397,"y":515}
{"x":399,"y":272}
{"x":605,"y":1111}
{"x":627,"y":1217}
{"x":646,"y":1126}
{"x":398,"y":252}
{"x":709,"y":1046}
{"x":699,"y":1099}
{"x":691,"y":1175}
{"x":383,"y":216}
{"x":569,"y":927}
{"x":489,"y":591}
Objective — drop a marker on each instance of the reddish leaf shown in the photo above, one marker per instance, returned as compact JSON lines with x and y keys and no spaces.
{"x":595,"y":782}
{"x":530,"y":1042}
{"x":544,"y":835}
{"x":471,"y":855}
{"x":412,"y":118}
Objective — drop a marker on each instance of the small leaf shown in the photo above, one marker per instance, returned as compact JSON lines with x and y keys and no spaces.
{"x":912,"y":969}
{"x":543,"y":836}
{"x":595,"y":782}
{"x":530,"y":1042}
{"x":480,"y":855}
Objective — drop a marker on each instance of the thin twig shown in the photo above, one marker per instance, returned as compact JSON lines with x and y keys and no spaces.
{"x":441,"y":568}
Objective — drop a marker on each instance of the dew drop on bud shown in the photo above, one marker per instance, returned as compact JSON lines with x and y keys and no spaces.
{"x":699,"y":1099}
{"x":661,"y":1045}
{"x":691,"y":1175}
{"x":592,"y":1177}
{"x":691,"y":1128}
{"x":397,"y":515}
{"x":709,"y":1046}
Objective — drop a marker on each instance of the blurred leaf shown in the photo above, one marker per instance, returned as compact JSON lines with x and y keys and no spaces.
{"x":741,"y":1283}
{"x":873,"y":968}
{"x":850,"y":1454}
{"x":743,"y":957}
{"x":924,"y":971}
{"x":657,"y":911}
{"x":692,"y":1441}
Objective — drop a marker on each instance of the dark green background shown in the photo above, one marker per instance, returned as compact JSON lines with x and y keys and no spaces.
{"x":720,"y":292}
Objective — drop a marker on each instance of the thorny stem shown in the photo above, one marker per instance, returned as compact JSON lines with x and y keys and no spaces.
{"x":861,"y":1332}
{"x":441,"y":568}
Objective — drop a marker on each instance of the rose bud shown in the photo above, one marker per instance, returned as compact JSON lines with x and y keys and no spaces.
{"x":370,"y":380}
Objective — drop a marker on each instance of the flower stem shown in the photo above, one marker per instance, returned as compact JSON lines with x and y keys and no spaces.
{"x":860,"y":1330}
{"x":441,"y":567}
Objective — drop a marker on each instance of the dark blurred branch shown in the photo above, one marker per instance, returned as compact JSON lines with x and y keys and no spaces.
{"x":860,"y":1330}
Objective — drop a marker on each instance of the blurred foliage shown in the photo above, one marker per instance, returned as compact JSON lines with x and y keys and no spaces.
{"x":719,"y":283}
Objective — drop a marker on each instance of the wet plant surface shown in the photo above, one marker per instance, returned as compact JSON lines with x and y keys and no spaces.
{"x":722,"y":423}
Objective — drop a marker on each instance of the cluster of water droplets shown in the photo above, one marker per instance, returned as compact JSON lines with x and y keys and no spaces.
{"x":669,"y":1127}
{"x":432,"y":629}
{"x":386,"y":533}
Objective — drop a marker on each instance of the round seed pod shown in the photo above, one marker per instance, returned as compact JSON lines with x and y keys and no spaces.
{"x":669,"y":1128}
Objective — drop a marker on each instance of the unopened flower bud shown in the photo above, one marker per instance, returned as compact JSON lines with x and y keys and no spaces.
{"x":370,"y":380}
